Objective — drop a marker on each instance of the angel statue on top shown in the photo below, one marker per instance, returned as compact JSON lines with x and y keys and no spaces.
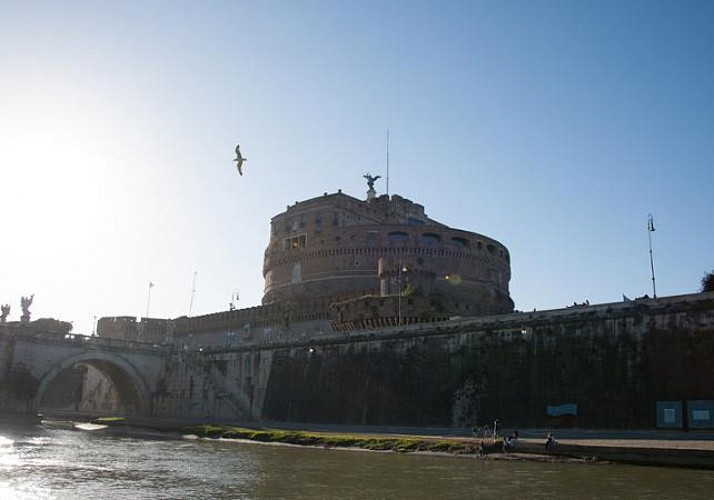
{"x":370,"y":180}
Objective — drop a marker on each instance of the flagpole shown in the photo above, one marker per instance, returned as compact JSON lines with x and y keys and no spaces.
{"x":148,"y":298}
{"x":193,"y":292}
{"x":650,"y":230}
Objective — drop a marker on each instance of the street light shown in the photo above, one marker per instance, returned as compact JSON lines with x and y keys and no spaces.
{"x":650,"y":230}
{"x":402,"y":269}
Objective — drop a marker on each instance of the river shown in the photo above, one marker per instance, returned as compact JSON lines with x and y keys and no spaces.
{"x":41,"y":462}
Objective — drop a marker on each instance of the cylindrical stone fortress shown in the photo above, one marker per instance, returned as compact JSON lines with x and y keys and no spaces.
{"x":340,"y":247}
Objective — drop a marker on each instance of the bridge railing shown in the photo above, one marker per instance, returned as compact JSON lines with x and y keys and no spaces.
{"x":84,"y":340}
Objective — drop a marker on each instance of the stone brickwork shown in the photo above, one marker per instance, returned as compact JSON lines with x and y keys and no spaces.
{"x":40,"y":370}
{"x":127,"y":328}
{"x":336,"y":263}
{"x":613,"y":362}
{"x":339,"y":246}
{"x":375,"y":314}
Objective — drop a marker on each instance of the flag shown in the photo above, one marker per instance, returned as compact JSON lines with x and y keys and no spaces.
{"x":650,"y":223}
{"x":151,"y":284}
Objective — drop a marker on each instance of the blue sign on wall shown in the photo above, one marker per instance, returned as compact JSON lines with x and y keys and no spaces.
{"x":669,"y":415}
{"x":562,"y":410}
{"x":700,"y":413}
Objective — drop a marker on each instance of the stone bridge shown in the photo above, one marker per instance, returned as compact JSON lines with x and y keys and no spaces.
{"x":31,"y":361}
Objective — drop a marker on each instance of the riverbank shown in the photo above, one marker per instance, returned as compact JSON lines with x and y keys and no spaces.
{"x":685,"y":451}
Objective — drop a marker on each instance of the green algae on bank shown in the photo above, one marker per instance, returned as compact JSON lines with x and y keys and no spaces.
{"x":108,"y":420}
{"x":329,"y":440}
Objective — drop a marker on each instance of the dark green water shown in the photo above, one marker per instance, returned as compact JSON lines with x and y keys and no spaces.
{"x":37,"y":462}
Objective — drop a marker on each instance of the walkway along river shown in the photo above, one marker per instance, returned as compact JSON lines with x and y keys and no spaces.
{"x":50,"y":462}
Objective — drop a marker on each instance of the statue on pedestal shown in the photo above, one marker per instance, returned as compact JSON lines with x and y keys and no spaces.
{"x":371,"y":193}
{"x":5,"y":309}
{"x":25,"y":303}
{"x":371,"y":179}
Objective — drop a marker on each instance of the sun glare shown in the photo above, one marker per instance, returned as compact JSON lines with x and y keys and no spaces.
{"x":49,"y":178}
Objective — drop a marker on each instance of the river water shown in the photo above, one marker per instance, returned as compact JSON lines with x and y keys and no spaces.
{"x":54,"y":463}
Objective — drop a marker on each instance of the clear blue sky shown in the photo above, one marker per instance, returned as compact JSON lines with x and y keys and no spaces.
{"x":554,"y":127}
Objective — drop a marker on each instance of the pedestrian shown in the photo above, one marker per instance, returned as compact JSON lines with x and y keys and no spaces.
{"x":550,"y":440}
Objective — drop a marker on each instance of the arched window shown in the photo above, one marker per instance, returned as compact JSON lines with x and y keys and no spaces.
{"x":398,"y":236}
{"x":429,"y":239}
{"x":460,"y":242}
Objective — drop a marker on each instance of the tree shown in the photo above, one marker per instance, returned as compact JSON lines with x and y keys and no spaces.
{"x":708,"y":282}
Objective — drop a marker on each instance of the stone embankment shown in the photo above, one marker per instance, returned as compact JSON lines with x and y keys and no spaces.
{"x":657,"y":452}
{"x":663,"y":452}
{"x":642,"y":448}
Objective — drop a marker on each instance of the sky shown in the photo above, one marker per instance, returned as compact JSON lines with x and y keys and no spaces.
{"x":554,"y":127}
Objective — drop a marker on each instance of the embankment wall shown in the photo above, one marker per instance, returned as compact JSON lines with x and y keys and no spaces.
{"x":611,"y":362}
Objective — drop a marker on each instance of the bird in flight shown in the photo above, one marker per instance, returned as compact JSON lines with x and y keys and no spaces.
{"x":239,"y":160}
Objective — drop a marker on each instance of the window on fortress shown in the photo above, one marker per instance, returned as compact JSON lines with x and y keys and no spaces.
{"x":372,"y":240}
{"x":398,"y":236}
{"x":490,"y":248}
{"x":429,"y":239}
{"x":294,"y":243}
{"x":460,"y":242}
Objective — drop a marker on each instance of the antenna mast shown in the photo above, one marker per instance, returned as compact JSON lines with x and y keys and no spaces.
{"x":387,"y":162}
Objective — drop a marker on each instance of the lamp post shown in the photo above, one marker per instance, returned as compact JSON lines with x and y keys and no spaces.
{"x":650,"y":230}
{"x":529,"y":334}
{"x":402,"y":269}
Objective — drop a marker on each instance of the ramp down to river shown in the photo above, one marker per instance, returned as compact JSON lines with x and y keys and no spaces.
{"x":663,"y":452}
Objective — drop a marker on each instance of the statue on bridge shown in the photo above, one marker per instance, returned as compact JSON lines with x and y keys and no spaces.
{"x":25,"y":303}
{"x":5,"y":309}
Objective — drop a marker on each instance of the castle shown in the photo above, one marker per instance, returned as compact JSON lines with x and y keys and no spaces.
{"x":375,"y":314}
{"x":338,"y":263}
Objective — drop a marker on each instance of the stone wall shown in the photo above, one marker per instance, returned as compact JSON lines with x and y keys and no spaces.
{"x":127,"y":328}
{"x":332,"y":246}
{"x":226,"y":385}
{"x":613,"y":361}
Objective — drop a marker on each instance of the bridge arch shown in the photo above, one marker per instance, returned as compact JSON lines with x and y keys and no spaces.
{"x":131,"y":386}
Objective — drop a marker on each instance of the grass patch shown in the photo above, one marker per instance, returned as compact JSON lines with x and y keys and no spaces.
{"x":331,"y":440}
{"x":108,"y":420}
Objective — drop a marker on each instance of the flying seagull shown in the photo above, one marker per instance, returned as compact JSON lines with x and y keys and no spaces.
{"x":239,"y":160}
